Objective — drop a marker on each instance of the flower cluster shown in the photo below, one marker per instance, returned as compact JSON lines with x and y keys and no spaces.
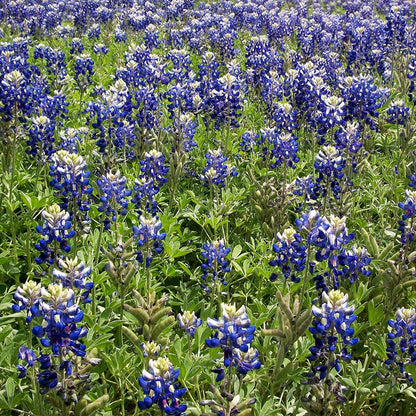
{"x":113,"y":198}
{"x":58,"y":331}
{"x":291,"y":255}
{"x":234,"y":335}
{"x":41,"y":138}
{"x":409,"y":208}
{"x":71,"y":179}
{"x":153,"y":176}
{"x":331,"y":321}
{"x":216,"y":264}
{"x":72,"y":274}
{"x":159,"y":386}
{"x":216,"y":171}
{"x":189,"y":322}
{"x":56,"y":231}
{"x":149,"y":239}
{"x":401,"y":342}
{"x":397,"y":112}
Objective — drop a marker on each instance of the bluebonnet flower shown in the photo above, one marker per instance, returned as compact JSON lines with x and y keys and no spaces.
{"x":280,"y":148}
{"x":70,"y":138}
{"x":159,"y":386}
{"x":331,"y":321}
{"x":60,"y":315}
{"x":397,"y":112}
{"x":207,"y":78}
{"x":71,"y":179}
{"x":104,"y":14}
{"x":233,"y":335}
{"x":151,"y":37}
{"x":184,"y":129}
{"x":333,"y":113}
{"x":307,"y":188}
{"x":216,"y":264}
{"x":261,"y":60}
{"x":330,"y":163}
{"x":27,"y":355}
{"x":100,"y":49}
{"x":329,"y":235}
{"x":401,"y":342}
{"x":291,"y":255}
{"x":72,"y":274}
{"x":363,"y":98}
{"x":149,"y":239}
{"x":189,"y":322}
{"x":150,"y":349}
{"x":248,"y":141}
{"x":153,"y":176}
{"x":412,"y":182}
{"x":76,"y":46}
{"x":120,"y":35}
{"x":94,"y":31}
{"x":113,"y":198}
{"x":216,"y":171}
{"x":353,"y":263}
{"x":84,"y":70}
{"x":285,"y":117}
{"x":55,"y":61}
{"x":27,"y":297}
{"x":226,"y":101}
{"x":409,"y":208}
{"x":15,"y":94}
{"x":348,"y":137}
{"x":152,"y":167}
{"x":41,"y":138}
{"x":56,"y":232}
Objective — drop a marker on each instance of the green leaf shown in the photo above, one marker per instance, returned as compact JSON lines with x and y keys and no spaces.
{"x":236,"y":251}
{"x":10,"y":388}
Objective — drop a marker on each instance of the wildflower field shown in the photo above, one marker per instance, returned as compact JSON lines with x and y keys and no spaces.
{"x":207,"y":208}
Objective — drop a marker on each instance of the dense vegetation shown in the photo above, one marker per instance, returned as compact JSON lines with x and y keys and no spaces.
{"x":207,"y":208}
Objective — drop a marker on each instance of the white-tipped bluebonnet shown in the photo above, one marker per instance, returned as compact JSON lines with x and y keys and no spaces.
{"x":73,"y":274}
{"x":401,"y":342}
{"x":120,"y":35}
{"x":159,"y":386}
{"x":279,"y":148}
{"x":153,"y":176}
{"x":291,"y":255}
{"x":56,"y":232}
{"x":84,"y":70}
{"x":216,"y":171}
{"x":331,"y":327}
{"x":151,"y":37}
{"x":27,"y":297}
{"x":363,"y":99}
{"x":150,"y":349}
{"x":233,"y":334}
{"x":100,"y":49}
{"x":76,"y":46}
{"x":216,"y":263}
{"x":41,"y":143}
{"x":59,"y":329}
{"x":71,"y":179}
{"x":397,"y":112}
{"x":329,"y":164}
{"x":113,"y":196}
{"x":285,"y":117}
{"x":94,"y":31}
{"x":189,"y":322}
{"x":149,"y":239}
{"x":409,"y":207}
